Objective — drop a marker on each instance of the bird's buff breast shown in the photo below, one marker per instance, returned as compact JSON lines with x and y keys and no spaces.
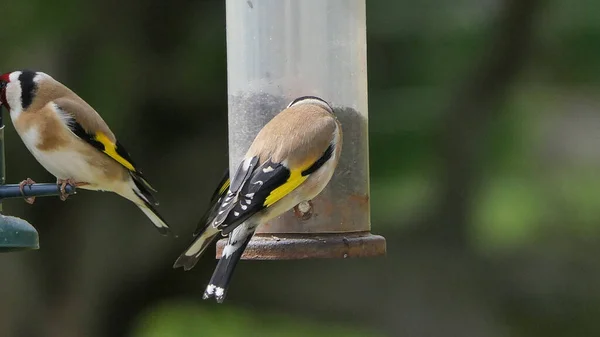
{"x":64,"y":160}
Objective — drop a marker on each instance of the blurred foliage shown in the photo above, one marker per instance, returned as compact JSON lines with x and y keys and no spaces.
{"x":188,"y":319}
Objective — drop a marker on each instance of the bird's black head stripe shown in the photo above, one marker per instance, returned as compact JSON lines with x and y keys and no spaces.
{"x":28,"y":88}
{"x":303,"y":98}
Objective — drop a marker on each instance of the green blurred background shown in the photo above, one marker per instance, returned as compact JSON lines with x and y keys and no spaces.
{"x":485,"y":151}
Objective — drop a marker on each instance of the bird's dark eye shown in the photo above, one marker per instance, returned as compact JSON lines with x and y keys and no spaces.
{"x":2,"y":84}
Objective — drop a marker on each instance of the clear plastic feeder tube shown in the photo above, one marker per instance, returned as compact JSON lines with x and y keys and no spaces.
{"x":278,"y":50}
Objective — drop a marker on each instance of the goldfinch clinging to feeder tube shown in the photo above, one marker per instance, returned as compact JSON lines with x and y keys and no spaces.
{"x":290,"y":161}
{"x":70,"y":139}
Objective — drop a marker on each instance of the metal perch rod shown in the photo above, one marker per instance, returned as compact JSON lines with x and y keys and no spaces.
{"x":34,"y":190}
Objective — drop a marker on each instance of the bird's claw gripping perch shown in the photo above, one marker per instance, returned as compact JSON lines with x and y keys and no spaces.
{"x":63,"y":184}
{"x":28,"y":182}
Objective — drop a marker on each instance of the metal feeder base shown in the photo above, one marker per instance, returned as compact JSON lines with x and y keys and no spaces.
{"x":17,"y":234}
{"x":309,"y":246}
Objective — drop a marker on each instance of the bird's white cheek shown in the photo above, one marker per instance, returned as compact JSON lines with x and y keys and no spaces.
{"x":13,"y":98}
{"x":14,"y":114}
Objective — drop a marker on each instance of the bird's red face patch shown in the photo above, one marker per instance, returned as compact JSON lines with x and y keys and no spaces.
{"x":4,"y":79}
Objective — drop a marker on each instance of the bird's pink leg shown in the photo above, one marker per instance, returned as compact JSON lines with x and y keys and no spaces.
{"x":63,"y":184}
{"x":28,"y":182}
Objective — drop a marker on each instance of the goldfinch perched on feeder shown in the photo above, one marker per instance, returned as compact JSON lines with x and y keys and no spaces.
{"x":290,"y":161}
{"x":70,"y":139}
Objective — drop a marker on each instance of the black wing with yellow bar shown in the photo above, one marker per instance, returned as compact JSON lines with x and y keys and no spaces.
{"x":215,"y":202}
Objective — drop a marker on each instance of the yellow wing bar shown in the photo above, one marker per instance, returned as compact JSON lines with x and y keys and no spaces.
{"x":225,"y":187}
{"x":111,"y":150}
{"x":296,"y":179}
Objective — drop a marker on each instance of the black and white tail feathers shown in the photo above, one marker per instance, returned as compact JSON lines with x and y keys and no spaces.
{"x":232,"y":253}
{"x":205,"y":234}
{"x":233,"y":204}
{"x":252,"y":183}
